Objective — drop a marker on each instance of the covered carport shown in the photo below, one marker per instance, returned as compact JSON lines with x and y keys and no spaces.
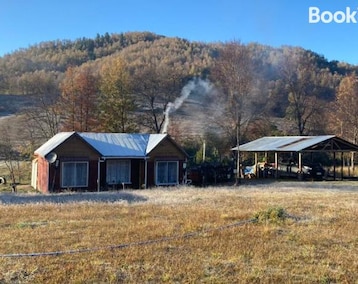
{"x":299,"y":145}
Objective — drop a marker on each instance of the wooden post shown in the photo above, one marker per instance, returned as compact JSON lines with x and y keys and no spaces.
{"x":145,"y":173}
{"x":276,"y":165}
{"x":204,"y":151}
{"x":334,"y":165}
{"x":342,"y":165}
{"x":256,"y":166}
{"x":300,"y":173}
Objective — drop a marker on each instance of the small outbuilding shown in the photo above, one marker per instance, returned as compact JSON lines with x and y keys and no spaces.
{"x":103,"y":161}
{"x":298,"y":146}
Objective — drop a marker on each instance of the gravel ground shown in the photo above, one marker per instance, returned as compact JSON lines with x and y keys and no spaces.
{"x":164,"y":194}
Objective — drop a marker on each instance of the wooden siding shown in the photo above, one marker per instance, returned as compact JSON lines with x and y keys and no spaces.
{"x":151,"y":174}
{"x":135,"y":174}
{"x":73,"y":149}
{"x":92,"y":178}
{"x":167,"y":149}
{"x":76,"y":147}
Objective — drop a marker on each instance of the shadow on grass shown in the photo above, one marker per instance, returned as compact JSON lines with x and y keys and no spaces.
{"x":345,"y":185}
{"x":62,"y":198}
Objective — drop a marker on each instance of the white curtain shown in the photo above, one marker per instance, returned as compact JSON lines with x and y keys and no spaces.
{"x":75,"y":174}
{"x":118,"y":171}
{"x":167,"y":172}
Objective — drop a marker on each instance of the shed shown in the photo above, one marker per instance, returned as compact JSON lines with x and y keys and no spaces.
{"x":298,"y":144}
{"x":102,"y":161}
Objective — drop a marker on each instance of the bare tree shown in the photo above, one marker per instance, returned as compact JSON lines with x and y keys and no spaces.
{"x":233,"y":74}
{"x":10,"y":157}
{"x":346,"y":108}
{"x":155,"y":86}
{"x":42,"y":118}
{"x":301,"y":77}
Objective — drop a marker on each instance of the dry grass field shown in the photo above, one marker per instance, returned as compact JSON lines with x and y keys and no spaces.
{"x":281,"y":232}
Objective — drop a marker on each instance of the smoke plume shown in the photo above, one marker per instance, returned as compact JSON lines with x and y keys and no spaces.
{"x":196,"y":84}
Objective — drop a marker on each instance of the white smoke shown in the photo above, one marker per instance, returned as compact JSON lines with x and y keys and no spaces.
{"x":196,"y":84}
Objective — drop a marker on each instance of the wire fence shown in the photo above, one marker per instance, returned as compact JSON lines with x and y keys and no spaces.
{"x":126,"y":245}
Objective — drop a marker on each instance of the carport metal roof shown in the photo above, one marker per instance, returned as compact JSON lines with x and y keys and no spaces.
{"x":323,"y":143}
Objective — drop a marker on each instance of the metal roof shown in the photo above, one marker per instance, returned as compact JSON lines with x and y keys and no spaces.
{"x":108,"y":144}
{"x":297,"y":144}
{"x":53,"y":143}
{"x":153,"y":141}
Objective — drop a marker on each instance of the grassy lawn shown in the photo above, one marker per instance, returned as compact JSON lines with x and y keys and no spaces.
{"x":253,"y":234}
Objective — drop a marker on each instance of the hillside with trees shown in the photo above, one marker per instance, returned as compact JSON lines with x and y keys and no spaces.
{"x":130,"y":82}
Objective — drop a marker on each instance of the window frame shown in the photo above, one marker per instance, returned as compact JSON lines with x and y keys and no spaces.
{"x":63,"y":177}
{"x":166,"y":182}
{"x":117,"y":161}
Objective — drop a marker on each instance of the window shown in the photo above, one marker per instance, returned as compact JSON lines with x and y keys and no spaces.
{"x":74,"y":174}
{"x":118,"y":171}
{"x":167,"y":172}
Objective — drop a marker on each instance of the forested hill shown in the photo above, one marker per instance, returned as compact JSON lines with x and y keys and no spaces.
{"x":158,"y":67}
{"x":19,"y":68}
{"x":58,"y":55}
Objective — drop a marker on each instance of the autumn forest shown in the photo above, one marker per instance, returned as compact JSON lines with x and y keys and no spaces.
{"x":125,"y":83}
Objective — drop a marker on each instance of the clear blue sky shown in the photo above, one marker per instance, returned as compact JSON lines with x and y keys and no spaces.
{"x":272,"y":22}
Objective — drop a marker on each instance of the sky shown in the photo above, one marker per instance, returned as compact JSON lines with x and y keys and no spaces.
{"x":270,"y":22}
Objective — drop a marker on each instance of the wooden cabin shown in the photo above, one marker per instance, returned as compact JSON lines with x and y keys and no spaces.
{"x":84,"y":161}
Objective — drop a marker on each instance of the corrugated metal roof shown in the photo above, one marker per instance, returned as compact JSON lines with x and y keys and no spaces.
{"x":109,"y":144}
{"x":154,"y":140}
{"x":283,"y":143}
{"x":52,"y":143}
{"x":117,"y":144}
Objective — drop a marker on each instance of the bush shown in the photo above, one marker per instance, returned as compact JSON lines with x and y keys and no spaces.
{"x":272,"y":215}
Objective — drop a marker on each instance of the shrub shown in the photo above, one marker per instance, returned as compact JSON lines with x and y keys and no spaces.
{"x":273,"y":215}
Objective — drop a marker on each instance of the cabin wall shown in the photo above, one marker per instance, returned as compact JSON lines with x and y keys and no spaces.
{"x":165,"y":151}
{"x":42,"y":175}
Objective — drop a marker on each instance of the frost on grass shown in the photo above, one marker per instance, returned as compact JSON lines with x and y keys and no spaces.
{"x":60,"y":198}
{"x":178,"y":194}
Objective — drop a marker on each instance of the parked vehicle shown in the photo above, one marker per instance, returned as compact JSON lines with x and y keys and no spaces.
{"x":249,"y":172}
{"x":316,"y":171}
{"x":309,"y":171}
